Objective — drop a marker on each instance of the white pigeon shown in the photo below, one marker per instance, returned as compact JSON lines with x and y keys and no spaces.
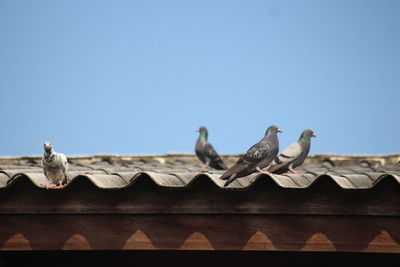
{"x":55,"y":166}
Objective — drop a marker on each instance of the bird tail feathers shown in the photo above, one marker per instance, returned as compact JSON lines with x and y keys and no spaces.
{"x":230,"y":180}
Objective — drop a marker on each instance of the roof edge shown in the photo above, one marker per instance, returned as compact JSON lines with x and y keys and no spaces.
{"x":335,"y":159}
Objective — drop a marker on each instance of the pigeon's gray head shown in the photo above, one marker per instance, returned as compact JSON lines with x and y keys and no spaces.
{"x":273,"y":129}
{"x":308,"y":133}
{"x":47,"y":146}
{"x":203,"y":131}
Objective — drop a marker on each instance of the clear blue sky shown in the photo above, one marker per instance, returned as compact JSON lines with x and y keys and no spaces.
{"x":141,"y":76}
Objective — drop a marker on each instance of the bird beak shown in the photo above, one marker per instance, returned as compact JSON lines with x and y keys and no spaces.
{"x":279,"y":131}
{"x":314,"y":136}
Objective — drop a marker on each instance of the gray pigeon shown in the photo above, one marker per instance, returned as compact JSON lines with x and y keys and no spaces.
{"x":294,"y":155}
{"x":55,"y":166}
{"x":257,"y":157}
{"x":206,"y":152}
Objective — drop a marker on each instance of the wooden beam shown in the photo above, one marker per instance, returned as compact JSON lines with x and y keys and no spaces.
{"x":200,"y":232}
{"x":144,"y":197}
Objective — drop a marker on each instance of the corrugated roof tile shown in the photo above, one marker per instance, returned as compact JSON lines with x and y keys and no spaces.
{"x":284,"y":181}
{"x":4,"y":178}
{"x":302,"y":180}
{"x":104,"y":181}
{"x":164,"y":180}
{"x":186,"y":177}
{"x":342,"y":181}
{"x":114,"y":174}
{"x":361,"y":181}
{"x":37,"y":179}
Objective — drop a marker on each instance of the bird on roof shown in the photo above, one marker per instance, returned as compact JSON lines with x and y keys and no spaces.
{"x":206,"y":152}
{"x":55,"y":166}
{"x":256,"y":158}
{"x":294,"y":155}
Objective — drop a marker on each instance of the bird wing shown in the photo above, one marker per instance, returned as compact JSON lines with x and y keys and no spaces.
{"x":45,"y":168}
{"x":64,"y":163}
{"x":253,"y":156}
{"x":257,"y":152}
{"x":64,"y":166}
{"x":209,"y":151}
{"x":214,"y":159}
{"x":290,"y":153}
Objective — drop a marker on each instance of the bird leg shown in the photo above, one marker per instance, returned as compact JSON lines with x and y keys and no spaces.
{"x":49,"y":185}
{"x":205,"y":166}
{"x":293,"y":171}
{"x":262,"y":171}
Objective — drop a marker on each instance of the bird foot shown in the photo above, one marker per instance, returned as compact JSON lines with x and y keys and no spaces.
{"x":204,"y":166}
{"x":294,"y":172}
{"x":50,"y":185}
{"x":263,"y":171}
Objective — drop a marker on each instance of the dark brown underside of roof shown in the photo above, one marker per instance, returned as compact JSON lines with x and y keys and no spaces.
{"x":200,"y":232}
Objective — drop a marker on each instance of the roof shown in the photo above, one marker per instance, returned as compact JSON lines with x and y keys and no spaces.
{"x":166,"y":202}
{"x":182,"y":170}
{"x":174,"y":183}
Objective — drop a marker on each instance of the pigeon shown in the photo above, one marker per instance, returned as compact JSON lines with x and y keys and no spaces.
{"x":294,"y":155}
{"x":256,"y":158}
{"x":206,"y":152}
{"x":55,"y":166}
